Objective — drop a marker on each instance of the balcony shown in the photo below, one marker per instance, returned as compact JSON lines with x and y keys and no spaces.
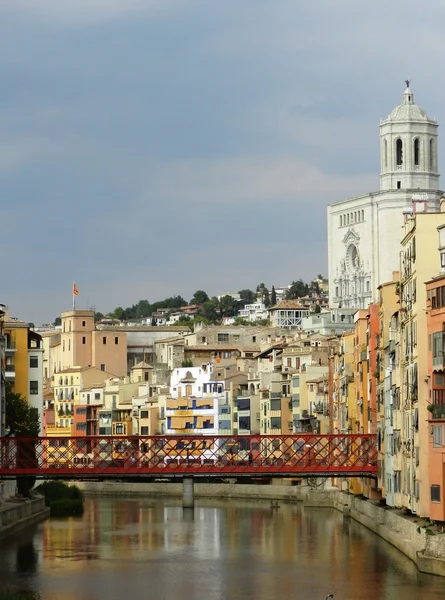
{"x":9,"y":371}
{"x":437,"y":411}
{"x":10,"y":346}
{"x":275,"y":395}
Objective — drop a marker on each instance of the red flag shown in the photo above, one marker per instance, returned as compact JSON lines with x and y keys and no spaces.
{"x":75,"y":290}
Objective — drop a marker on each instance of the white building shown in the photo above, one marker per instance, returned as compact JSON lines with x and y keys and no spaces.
{"x":288,"y":314}
{"x":364,"y":232}
{"x":193,"y":406}
{"x":254,"y":312}
{"x":334,"y":321}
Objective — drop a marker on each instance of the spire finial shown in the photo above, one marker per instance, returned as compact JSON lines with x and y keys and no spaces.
{"x":407,"y":81}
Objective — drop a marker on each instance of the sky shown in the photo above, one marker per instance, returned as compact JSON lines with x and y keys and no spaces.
{"x":150,"y":148}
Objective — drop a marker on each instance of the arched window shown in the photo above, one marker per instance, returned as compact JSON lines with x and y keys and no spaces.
{"x":385,"y":153}
{"x":341,"y":221}
{"x":399,"y":152}
{"x":363,"y":215}
{"x":431,"y":153}
{"x":416,"y":152}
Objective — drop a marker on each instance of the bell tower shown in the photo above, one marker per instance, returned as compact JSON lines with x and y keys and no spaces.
{"x":408,"y":148}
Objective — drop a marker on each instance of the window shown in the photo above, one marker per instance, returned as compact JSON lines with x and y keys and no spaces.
{"x":104,"y":340}
{"x":69,"y":345}
{"x":144,"y":414}
{"x":119,"y":428}
{"x":244,"y":423}
{"x":33,"y":362}
{"x":254,"y":338}
{"x":84,"y":340}
{"x":146,"y":374}
{"x":243,"y":403}
{"x":102,"y":367}
{"x":416,"y":152}
{"x":435,"y":493}
{"x":83,"y":323}
{"x":399,"y":152}
{"x":437,"y":436}
{"x":275,"y":404}
{"x":144,"y":430}
{"x":399,"y":185}
{"x":223,"y":337}
{"x":33,"y":387}
{"x":116,"y":340}
{"x":275,"y":423}
{"x":97,"y":396}
{"x":431,"y":157}
{"x":385,"y":150}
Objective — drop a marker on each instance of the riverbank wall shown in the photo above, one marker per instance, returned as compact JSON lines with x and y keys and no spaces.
{"x":412,"y":536}
{"x":16,"y":515}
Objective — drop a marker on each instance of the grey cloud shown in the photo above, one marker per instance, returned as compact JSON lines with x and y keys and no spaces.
{"x":150,"y":148}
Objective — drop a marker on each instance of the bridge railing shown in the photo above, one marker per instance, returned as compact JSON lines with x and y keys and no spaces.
{"x":176,"y":455}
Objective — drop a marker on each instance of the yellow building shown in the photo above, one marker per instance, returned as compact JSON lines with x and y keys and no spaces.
{"x":68,"y":386}
{"x":419,"y":262}
{"x":389,"y":416}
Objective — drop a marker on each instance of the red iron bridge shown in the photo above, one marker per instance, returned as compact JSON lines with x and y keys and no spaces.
{"x":301,"y":455}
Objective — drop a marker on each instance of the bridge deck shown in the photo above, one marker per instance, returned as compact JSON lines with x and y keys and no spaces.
{"x":176,"y":456}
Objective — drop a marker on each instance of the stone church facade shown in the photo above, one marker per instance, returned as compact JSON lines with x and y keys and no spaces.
{"x":364,"y":232}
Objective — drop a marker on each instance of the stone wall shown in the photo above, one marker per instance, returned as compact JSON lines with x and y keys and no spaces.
{"x":16,"y":515}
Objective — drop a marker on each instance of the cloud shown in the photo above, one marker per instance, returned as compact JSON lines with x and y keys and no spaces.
{"x":15,"y":154}
{"x":253,"y":180}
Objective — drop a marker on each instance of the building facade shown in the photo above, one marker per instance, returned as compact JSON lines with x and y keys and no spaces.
{"x":363,"y":240}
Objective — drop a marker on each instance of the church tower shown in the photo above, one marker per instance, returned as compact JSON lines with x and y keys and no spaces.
{"x":408,"y":148}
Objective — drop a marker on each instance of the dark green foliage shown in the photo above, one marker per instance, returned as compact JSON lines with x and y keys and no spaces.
{"x":298,"y":289}
{"x":11,"y":594}
{"x":247,"y":297}
{"x":273,"y":296}
{"x":199,"y":297}
{"x":64,"y":500}
{"x":21,"y":419}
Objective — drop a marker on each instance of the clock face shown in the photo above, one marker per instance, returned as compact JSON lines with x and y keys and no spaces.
{"x":352,"y":258}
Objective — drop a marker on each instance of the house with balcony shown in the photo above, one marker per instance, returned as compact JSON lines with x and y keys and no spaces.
{"x":68,"y":386}
{"x":254,"y":312}
{"x":23,"y":361}
{"x":288,"y":314}
{"x":193,"y":406}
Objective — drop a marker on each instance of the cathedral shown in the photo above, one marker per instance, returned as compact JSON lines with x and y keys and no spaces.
{"x":364,"y":232}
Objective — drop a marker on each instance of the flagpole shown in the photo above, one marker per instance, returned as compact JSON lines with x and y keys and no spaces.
{"x":74,"y":298}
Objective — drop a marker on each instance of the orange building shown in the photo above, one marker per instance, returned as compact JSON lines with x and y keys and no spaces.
{"x":436,"y":407}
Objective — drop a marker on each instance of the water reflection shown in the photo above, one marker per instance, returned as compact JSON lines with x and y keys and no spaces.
{"x":227,"y":550}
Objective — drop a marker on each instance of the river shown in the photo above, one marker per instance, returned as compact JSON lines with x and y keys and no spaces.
{"x":143,"y":549}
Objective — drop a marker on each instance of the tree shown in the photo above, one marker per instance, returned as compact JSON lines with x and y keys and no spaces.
{"x":262,"y":290}
{"x":98,"y":316}
{"x":298,"y":289}
{"x":57,"y":322}
{"x":317,"y":309}
{"x":199,"y":297}
{"x":273,"y":296}
{"x":210,"y":310}
{"x":266,"y":298}
{"x":247,"y":297}
{"x":21,"y":419}
{"x":119,"y":313}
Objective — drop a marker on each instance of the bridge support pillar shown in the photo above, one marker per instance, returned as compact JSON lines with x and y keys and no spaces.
{"x":188,"y":492}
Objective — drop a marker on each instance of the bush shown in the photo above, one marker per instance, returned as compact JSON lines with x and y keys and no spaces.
{"x":64,"y":500}
{"x":19,"y":595}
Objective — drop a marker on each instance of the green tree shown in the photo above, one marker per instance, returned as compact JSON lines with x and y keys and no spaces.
{"x":118,"y":313}
{"x":266,"y":297}
{"x":317,"y":309}
{"x":20,"y":418}
{"x":57,"y":322}
{"x":22,"y":421}
{"x":273,"y":296}
{"x":199,"y":297}
{"x":262,"y":290}
{"x":210,"y":310}
{"x":298,"y":289}
{"x":98,"y":316}
{"x":247,"y":297}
